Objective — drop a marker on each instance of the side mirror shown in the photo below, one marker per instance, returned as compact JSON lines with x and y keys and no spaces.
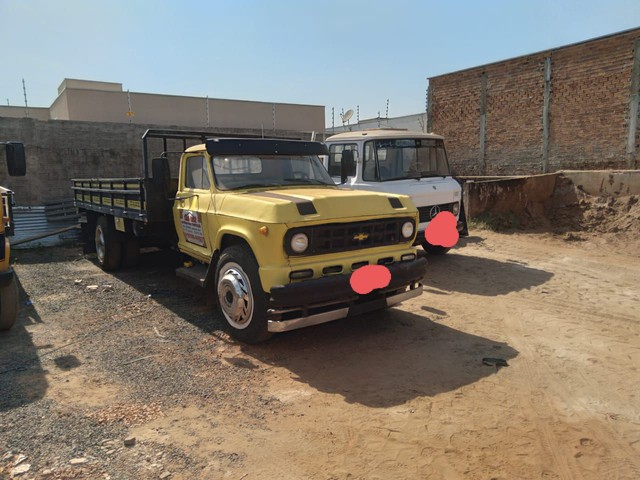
{"x":16,"y":163}
{"x":347,"y":165}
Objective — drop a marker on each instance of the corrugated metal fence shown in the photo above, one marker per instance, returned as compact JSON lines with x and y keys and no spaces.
{"x":38,"y":220}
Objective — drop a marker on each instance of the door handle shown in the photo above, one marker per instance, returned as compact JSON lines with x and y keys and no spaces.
{"x":184,"y":198}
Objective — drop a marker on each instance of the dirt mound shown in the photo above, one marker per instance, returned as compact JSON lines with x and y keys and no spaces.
{"x":572,"y":210}
{"x":573,"y":213}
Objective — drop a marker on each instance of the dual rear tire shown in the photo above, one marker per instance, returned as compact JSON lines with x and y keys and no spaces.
{"x":114,"y":249}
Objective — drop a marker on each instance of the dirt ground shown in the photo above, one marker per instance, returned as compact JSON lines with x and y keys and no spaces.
{"x":400,"y":394}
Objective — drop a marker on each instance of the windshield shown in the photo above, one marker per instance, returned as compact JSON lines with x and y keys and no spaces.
{"x":234,"y":172}
{"x":399,"y":159}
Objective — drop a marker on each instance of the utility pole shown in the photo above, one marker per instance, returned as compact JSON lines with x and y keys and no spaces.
{"x":208,"y":122}
{"x":273,"y":111}
{"x":130,"y":112}
{"x":26,"y":105}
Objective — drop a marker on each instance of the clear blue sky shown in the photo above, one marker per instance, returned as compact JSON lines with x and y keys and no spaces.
{"x":337,"y":53}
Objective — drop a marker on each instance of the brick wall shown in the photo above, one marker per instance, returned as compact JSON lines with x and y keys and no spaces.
{"x":58,"y":151}
{"x":589,"y":110}
{"x":455,"y":113}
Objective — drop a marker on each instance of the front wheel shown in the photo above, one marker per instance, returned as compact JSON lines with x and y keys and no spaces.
{"x":434,"y":249}
{"x":8,"y":305}
{"x":241,"y":300}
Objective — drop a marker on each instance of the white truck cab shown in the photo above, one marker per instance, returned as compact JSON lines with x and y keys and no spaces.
{"x":399,"y":161}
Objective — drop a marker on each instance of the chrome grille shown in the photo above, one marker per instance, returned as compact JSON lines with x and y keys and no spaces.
{"x":340,"y":237}
{"x":425,"y":212}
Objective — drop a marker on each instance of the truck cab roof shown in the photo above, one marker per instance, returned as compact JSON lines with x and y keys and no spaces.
{"x":376,"y":133}
{"x":259,"y":146}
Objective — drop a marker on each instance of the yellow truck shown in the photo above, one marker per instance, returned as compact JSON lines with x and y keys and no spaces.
{"x":262,"y":223}
{"x":16,"y":165}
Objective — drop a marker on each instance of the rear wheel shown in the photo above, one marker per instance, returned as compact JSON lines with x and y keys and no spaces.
{"x":241,"y":300}
{"x":8,"y":305}
{"x":108,"y":245}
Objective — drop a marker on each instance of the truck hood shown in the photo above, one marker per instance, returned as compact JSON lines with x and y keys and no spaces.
{"x":317,"y":205}
{"x":423,"y":192}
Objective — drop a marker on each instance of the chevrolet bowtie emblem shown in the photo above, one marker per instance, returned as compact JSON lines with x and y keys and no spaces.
{"x":361,"y":236}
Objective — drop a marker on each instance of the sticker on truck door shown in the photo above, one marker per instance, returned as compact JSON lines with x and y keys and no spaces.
{"x":192,"y":227}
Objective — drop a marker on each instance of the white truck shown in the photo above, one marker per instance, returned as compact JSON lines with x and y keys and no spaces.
{"x":399,"y":161}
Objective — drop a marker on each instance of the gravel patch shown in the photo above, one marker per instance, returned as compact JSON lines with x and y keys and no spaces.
{"x":95,"y":354}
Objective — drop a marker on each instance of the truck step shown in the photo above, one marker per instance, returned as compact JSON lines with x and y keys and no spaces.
{"x":195,"y":274}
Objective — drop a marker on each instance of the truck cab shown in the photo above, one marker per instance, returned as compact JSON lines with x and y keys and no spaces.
{"x":401,"y":162}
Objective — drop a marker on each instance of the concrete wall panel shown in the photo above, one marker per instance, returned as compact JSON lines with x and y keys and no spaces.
{"x":58,"y":151}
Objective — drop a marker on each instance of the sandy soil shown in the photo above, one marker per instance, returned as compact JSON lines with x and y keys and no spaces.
{"x":399,"y":394}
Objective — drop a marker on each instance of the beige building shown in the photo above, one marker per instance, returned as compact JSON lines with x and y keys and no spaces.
{"x":416,"y":123}
{"x":93,"y":101}
{"x":39,"y":113}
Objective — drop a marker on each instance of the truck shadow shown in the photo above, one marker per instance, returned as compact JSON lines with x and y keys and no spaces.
{"x":384,"y":358}
{"x":22,"y":378}
{"x":455,"y":272}
{"x":381,"y":359}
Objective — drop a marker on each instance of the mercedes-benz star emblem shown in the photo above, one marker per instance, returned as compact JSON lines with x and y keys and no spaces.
{"x":435,"y":210}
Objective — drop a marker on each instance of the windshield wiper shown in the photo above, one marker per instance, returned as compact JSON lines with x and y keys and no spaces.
{"x":311,"y":181}
{"x":399,"y":178}
{"x":257,"y":185}
{"x":431,"y":175}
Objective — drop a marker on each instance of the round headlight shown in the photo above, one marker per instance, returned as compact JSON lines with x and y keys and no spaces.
{"x":299,"y":242}
{"x":407,"y":229}
{"x":456,"y":208}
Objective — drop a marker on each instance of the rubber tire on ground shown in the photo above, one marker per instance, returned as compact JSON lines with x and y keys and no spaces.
{"x":256,"y":330}
{"x":8,"y":305}
{"x":112,"y":258}
{"x":434,"y":249}
{"x":130,"y":252}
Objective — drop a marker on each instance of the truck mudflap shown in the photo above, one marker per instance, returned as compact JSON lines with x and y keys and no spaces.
{"x":330,"y":298}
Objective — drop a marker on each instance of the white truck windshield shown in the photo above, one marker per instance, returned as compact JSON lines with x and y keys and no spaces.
{"x":398,"y":159}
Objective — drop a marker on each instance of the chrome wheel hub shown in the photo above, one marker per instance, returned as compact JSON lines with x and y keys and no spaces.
{"x":235,"y":296}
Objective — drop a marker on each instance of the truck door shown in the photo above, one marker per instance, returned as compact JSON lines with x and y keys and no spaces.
{"x":194,"y":207}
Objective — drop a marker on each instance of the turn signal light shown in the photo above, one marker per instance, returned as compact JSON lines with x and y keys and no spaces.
{"x":298,"y":274}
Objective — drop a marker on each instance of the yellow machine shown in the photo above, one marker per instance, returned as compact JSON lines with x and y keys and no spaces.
{"x":263,"y":223}
{"x":16,"y":166}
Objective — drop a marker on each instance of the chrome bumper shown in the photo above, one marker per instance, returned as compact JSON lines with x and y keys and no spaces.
{"x":278,"y":326}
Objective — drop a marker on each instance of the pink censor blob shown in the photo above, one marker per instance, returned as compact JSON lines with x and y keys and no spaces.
{"x":366,"y":278}
{"x":442,"y":230}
